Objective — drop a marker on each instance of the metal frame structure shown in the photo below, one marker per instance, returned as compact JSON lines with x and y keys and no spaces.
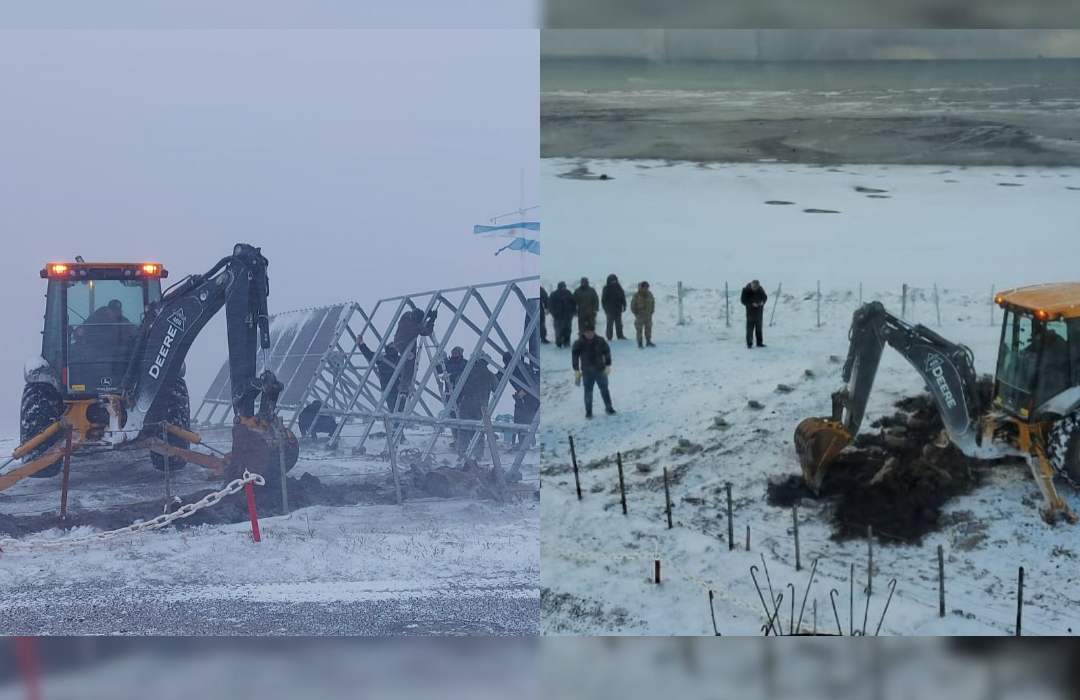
{"x":347,"y":385}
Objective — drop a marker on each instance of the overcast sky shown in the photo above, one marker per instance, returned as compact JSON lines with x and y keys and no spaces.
{"x":267,"y":14}
{"x":359,"y":161}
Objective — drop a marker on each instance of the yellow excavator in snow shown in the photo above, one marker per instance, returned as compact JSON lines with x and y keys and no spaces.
{"x":1034,"y":410}
{"x":105,"y":381}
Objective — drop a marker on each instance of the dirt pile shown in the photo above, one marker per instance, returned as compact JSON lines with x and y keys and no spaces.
{"x":895,"y":480}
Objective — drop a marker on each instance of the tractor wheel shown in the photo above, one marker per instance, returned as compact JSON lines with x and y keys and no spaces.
{"x":1063,"y":448}
{"x":178,"y":412}
{"x":42,"y":405}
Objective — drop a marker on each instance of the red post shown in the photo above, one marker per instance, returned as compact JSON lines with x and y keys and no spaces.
{"x":251,"y":508}
{"x":67,"y":472}
{"x":26,"y":657}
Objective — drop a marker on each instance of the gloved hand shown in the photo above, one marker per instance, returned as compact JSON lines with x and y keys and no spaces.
{"x":434,"y":314}
{"x":577,"y":378}
{"x":607,"y":370}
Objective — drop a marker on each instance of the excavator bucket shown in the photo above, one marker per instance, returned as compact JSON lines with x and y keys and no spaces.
{"x":262,"y":447}
{"x":818,"y":441}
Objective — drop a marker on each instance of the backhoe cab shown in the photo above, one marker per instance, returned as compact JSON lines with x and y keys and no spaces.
{"x":1034,"y":410}
{"x":110,"y":373}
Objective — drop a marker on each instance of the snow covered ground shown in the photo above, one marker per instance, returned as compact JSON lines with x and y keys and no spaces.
{"x":433,"y":566}
{"x":705,"y":225}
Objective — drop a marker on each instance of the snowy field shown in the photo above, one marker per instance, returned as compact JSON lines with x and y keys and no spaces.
{"x":708,"y":225}
{"x":365,"y":566}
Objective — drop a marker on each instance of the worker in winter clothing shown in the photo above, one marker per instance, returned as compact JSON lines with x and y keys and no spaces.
{"x":543,"y":316}
{"x":450,"y":370}
{"x":754,"y":298}
{"x":591,"y":357}
{"x":613,"y":301}
{"x":411,"y":326}
{"x":476,"y":391}
{"x":561,"y":304}
{"x":587,"y":304}
{"x":525,"y":383}
{"x":642,"y":306}
{"x":384,"y":369}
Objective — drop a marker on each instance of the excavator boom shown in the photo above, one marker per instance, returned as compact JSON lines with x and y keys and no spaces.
{"x":947,"y":367}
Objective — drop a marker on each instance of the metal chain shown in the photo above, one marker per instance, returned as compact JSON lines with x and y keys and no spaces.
{"x":158,"y":522}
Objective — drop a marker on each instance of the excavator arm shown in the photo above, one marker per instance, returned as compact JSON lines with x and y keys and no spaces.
{"x":946,"y":367}
{"x":239,"y":283}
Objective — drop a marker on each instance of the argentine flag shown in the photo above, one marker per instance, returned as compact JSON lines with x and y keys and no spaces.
{"x":524,"y":235}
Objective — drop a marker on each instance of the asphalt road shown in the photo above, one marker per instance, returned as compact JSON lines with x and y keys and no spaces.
{"x":108,"y":610}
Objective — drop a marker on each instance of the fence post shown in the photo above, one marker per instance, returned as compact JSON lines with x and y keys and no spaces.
{"x":727,"y":306}
{"x":656,"y":571}
{"x":573,"y":458}
{"x":903,"y":302}
{"x":860,"y":293}
{"x":667,"y":499}
{"x":819,"y":304}
{"x":937,"y":305}
{"x":869,"y":559}
{"x":776,"y":300}
{"x":680,"y":292}
{"x":992,"y":304}
{"x":748,"y":537}
{"x":941,"y":580}
{"x":730,"y":522}
{"x":795,"y":519}
{"x":622,"y":484}
{"x":1019,"y":601}
{"x":392,"y":452}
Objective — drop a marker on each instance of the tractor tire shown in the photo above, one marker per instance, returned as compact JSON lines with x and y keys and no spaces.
{"x":177,"y":412}
{"x":42,"y":405}
{"x":1063,"y":448}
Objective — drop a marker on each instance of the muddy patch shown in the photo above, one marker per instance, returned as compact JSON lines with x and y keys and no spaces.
{"x":820,"y":211}
{"x":895,"y":480}
{"x":303,"y":491}
{"x":583,"y":173}
{"x":870,"y":190}
{"x":778,"y":201}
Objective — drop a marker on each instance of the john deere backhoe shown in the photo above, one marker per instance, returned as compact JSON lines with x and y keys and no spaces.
{"x":110,"y":374}
{"x":1034,"y":410}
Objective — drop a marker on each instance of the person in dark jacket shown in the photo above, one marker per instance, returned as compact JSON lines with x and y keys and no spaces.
{"x":754,"y":298}
{"x":524,"y":381}
{"x":613,"y":301}
{"x":591,"y":359}
{"x":587,"y":304}
{"x":411,"y":326}
{"x":384,"y":369}
{"x":310,"y":426}
{"x":450,"y":371}
{"x":561,"y":304}
{"x":543,"y":316}
{"x":476,"y":391}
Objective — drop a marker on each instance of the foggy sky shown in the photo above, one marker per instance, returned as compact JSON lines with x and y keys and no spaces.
{"x":358,"y":161}
{"x":268,"y":14}
{"x":812,"y":44}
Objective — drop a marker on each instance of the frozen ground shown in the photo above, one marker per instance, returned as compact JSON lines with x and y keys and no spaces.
{"x":365,"y":566}
{"x":598,"y":565}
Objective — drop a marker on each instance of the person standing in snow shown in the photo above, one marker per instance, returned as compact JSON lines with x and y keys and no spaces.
{"x":384,"y":370}
{"x":587,"y":304}
{"x":591,"y":357}
{"x":613,"y":301}
{"x":476,"y":389}
{"x":411,"y":326}
{"x":642,"y":306}
{"x":754,"y":298}
{"x":561,"y":304}
{"x":543,"y":316}
{"x":450,"y":371}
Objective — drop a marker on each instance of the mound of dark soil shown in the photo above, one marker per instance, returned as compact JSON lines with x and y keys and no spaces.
{"x":894,"y":480}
